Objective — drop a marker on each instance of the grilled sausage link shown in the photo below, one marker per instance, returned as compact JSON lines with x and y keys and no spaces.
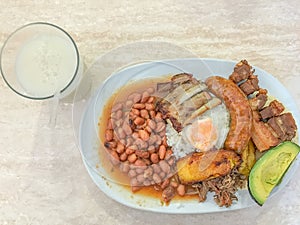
{"x":239,"y":110}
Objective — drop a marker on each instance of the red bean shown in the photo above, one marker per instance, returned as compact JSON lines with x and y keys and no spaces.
{"x":169,"y":153}
{"x":147,"y":183}
{"x":140,"y":178}
{"x":162,"y":174}
{"x":119,"y":114}
{"x":135,"y":135}
{"x":160,"y":126}
{"x":156,"y":168}
{"x":145,"y":96}
{"x":164,"y":166}
{"x":142,"y":154}
{"x":151,"y":99}
{"x":109,"y":135}
{"x":149,"y":106}
{"x":162,"y":151}
{"x":123,"y":157}
{"x":139,"y":162}
{"x":152,"y":139}
{"x":109,"y":124}
{"x":127,"y":129}
{"x":139,"y":106}
{"x":152,"y":124}
{"x":152,"y":114}
{"x":150,"y":90}
{"x":124,"y":167}
{"x":154,"y":158}
{"x":129,"y":103}
{"x":110,"y":144}
{"x":130,"y":150}
{"x":144,"y":135}
{"x":151,"y":149}
{"x":181,"y":190}
{"x":148,"y":172}
{"x":174,"y":184}
{"x":137,"y":97}
{"x":135,"y":111}
{"x":132,"y":158}
{"x":132,"y":173}
{"x":148,"y":129}
{"x":139,"y":121}
{"x":144,"y":114}
{"x":129,"y":141}
{"x":114,"y":157}
{"x":139,"y":170}
{"x":156,"y":178}
{"x":121,"y":133}
{"x":158,"y":115}
{"x":120,"y":148}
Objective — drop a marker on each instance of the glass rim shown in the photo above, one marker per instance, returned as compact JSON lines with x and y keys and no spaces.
{"x":29,"y":25}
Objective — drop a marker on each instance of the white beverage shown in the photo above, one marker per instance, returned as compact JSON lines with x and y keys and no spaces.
{"x":46,"y":64}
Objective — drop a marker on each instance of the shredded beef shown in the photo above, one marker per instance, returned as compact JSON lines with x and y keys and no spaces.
{"x":224,"y":188}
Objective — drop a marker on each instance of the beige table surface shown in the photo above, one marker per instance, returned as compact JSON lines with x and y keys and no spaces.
{"x":42,"y":177}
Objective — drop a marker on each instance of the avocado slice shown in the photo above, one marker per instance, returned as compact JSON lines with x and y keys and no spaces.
{"x":268,"y":171}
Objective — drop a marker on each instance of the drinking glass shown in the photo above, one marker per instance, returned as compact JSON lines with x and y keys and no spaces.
{"x":41,"y":61}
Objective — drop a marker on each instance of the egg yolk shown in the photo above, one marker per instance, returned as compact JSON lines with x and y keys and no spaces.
{"x":202,"y":134}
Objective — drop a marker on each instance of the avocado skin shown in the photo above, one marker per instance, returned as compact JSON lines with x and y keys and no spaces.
{"x":252,"y":195}
{"x":267,"y":156}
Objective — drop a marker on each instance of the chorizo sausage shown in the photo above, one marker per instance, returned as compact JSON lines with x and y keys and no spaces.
{"x":239,"y":110}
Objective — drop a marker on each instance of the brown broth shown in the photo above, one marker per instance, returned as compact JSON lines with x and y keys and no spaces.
{"x":120,"y":96}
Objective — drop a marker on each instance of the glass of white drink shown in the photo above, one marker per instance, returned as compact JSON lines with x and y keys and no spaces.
{"x":41,"y":61}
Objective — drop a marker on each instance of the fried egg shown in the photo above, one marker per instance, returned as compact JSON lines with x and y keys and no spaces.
{"x":205,"y":132}
{"x":209,"y":130}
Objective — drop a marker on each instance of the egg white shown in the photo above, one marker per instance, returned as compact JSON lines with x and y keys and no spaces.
{"x":180,"y":142}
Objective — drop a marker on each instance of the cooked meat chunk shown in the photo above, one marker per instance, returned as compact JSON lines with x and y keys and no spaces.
{"x":177,"y":126}
{"x":164,"y":87}
{"x":250,"y":86}
{"x":262,"y":134}
{"x":176,"y":80}
{"x":196,"y":101}
{"x":269,"y":125}
{"x":258,"y":101}
{"x":274,"y":109}
{"x":168,"y":193}
{"x":284,"y":126}
{"x":190,"y":92}
{"x":241,"y":72}
{"x":179,"y":91}
{"x":181,"y":78}
{"x":186,"y":99}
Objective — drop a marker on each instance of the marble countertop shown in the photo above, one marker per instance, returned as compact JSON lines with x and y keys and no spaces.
{"x":42,"y":177}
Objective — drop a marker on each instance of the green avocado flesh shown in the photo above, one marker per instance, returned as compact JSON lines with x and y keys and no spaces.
{"x":269,"y":169}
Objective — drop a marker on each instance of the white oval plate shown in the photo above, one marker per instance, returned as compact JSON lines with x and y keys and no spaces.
{"x":201,"y":69}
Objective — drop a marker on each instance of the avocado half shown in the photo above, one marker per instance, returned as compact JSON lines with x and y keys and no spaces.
{"x":268,"y":171}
